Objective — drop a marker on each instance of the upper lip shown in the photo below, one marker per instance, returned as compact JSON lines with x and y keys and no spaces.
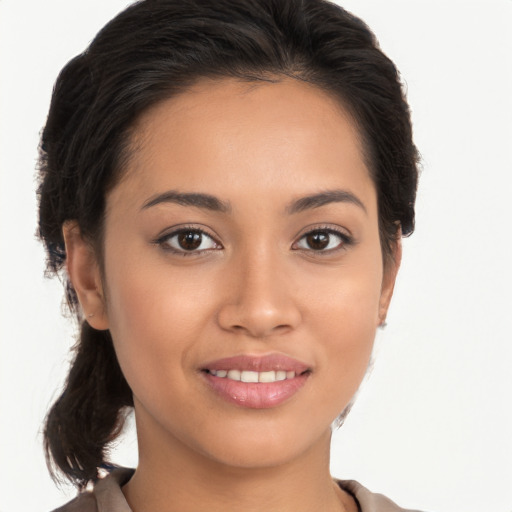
{"x":264,"y":363}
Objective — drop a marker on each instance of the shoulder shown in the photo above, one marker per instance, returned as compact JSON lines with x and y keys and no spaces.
{"x":369,"y":501}
{"x":84,"y":502}
{"x":106,"y":495}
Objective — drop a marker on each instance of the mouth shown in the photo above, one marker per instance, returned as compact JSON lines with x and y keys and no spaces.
{"x":252,"y":376}
{"x":256,"y":382}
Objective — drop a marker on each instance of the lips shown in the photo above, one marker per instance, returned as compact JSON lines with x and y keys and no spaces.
{"x":270,"y":362}
{"x":256,"y":382}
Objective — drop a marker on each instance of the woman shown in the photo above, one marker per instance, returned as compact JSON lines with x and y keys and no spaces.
{"x":226,"y":185}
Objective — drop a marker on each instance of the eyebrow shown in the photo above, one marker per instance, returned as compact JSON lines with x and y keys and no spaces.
{"x":212,"y":203}
{"x":198,"y":200}
{"x":323,"y":198}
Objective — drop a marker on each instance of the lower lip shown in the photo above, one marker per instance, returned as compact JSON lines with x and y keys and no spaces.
{"x":254,"y":395}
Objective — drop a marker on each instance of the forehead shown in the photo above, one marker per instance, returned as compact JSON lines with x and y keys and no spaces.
{"x":254,"y":136}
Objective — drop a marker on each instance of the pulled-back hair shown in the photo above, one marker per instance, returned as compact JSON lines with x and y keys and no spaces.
{"x":150,"y":52}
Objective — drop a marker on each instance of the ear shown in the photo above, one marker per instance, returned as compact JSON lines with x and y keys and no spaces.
{"x":391,"y":267}
{"x":84,"y":273}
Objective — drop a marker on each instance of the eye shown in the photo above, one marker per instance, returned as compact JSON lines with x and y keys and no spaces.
{"x":322,"y":240}
{"x":187,"y":241}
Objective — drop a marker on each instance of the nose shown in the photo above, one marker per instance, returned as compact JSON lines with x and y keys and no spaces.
{"x":260,"y":301}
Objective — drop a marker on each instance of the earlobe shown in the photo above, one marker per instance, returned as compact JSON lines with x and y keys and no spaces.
{"x":388,"y":281}
{"x":84,"y":273}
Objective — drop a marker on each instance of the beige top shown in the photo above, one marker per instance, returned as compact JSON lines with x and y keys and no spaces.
{"x":108,"y":497}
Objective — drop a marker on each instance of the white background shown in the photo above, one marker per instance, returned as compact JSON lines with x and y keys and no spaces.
{"x":432,"y":427}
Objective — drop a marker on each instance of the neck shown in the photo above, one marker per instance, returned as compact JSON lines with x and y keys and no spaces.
{"x":172,"y":477}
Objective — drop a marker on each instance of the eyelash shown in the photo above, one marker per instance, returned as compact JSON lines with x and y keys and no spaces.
{"x":345,"y":240}
{"x":163,"y":241}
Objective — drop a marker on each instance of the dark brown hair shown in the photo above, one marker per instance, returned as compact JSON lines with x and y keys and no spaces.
{"x":149,"y":52}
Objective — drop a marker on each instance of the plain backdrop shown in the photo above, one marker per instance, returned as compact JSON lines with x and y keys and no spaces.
{"x":432,"y":426}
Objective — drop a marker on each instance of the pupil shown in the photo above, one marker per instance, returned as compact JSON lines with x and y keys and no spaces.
{"x":189,"y":240}
{"x":318,"y":240}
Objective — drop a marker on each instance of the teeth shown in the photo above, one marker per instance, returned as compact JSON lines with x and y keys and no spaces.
{"x":251,"y":376}
{"x":248,"y":376}
{"x":267,"y":377}
{"x":234,"y":374}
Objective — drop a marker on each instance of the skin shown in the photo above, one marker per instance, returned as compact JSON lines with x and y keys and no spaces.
{"x":255,"y":287}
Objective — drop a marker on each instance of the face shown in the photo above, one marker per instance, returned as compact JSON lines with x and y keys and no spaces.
{"x":241,"y":245}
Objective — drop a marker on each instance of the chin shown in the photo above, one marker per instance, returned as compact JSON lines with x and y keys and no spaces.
{"x":266,"y":447}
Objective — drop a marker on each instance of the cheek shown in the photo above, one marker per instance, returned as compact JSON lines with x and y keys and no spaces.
{"x":154,"y":317}
{"x":345,"y":318}
{"x":347,"y":299}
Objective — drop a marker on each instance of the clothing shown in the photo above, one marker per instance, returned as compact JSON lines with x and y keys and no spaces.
{"x":108,"y":497}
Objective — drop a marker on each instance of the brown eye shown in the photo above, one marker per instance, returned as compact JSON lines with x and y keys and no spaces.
{"x":318,"y":240}
{"x":186,"y":241}
{"x":190,"y":240}
{"x":322,"y":240}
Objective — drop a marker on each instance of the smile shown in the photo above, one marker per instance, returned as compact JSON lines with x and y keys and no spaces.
{"x":251,"y":376}
{"x":256,"y":382}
